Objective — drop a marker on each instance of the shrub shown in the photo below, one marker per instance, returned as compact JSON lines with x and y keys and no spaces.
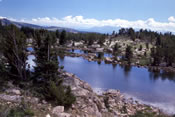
{"x":61,"y":95}
{"x":124,"y":109}
{"x":140,"y":48}
{"x":106,"y":99}
{"x":100,"y":55}
{"x":20,"y":112}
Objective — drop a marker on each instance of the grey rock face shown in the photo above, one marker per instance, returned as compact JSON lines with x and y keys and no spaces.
{"x":63,"y":115}
{"x":13,"y":98}
{"x":110,"y":103}
{"x":58,"y":109}
{"x":14,"y":91}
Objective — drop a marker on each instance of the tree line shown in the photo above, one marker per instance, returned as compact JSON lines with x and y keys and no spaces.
{"x":63,"y":36}
{"x":45,"y":79}
{"x":163,"y":50}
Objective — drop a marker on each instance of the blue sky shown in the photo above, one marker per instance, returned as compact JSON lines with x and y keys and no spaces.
{"x":127,"y":10}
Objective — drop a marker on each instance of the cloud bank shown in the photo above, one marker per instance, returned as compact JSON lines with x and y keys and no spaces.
{"x":79,"y":22}
{"x":171,"y":19}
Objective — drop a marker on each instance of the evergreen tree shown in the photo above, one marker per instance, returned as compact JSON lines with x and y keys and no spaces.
{"x":29,"y":32}
{"x":140,"y":48}
{"x":57,"y":34}
{"x":116,"y":48}
{"x":100,"y":55}
{"x":14,"y":50}
{"x":156,"y":55}
{"x":147,"y":45}
{"x":46,"y":59}
{"x":158,"y":40}
{"x":63,"y":37}
{"x":46,"y":73}
{"x":132,"y":34}
{"x":101,"y":40}
{"x":128,"y":54}
{"x":113,"y":33}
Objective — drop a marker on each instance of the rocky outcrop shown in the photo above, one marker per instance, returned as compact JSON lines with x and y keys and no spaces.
{"x":10,"y":98}
{"x":13,"y":91}
{"x":59,"y":112}
{"x":108,"y":60}
{"x":110,"y":103}
{"x":58,"y":109}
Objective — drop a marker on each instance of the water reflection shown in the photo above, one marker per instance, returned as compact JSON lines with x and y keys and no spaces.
{"x":61,"y":57}
{"x":114,"y":66}
{"x":99,"y":62}
{"x":126,"y":69}
{"x":76,"y":51}
{"x":160,"y":74}
{"x":145,"y":84}
{"x":139,"y":82}
{"x":107,"y":55}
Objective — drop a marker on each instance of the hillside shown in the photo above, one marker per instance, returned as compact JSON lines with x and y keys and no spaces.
{"x":50,"y":28}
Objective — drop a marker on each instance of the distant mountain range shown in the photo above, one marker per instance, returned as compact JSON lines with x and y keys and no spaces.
{"x":104,"y":29}
{"x":21,"y":24}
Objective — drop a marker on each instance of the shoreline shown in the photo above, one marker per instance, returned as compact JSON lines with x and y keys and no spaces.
{"x":110,"y":60}
{"x":132,"y":103}
{"x":161,"y":106}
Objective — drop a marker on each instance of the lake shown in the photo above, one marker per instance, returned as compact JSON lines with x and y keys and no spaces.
{"x":155,"y":88}
{"x":30,"y":49}
{"x":77,"y":51}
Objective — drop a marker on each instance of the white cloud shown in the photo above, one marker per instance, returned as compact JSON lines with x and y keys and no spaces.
{"x":171,"y":19}
{"x":81,"y":22}
{"x":2,"y":17}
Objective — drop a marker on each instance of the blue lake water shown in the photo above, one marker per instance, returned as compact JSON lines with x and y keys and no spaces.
{"x":157,"y":89}
{"x":30,"y":61}
{"x":30,"y":49}
{"x":76,"y":51}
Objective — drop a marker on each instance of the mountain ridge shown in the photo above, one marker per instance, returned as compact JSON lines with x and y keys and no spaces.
{"x":5,"y":21}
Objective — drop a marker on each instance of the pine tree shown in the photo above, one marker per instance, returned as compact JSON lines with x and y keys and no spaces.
{"x":140,"y":48}
{"x":132,"y":34}
{"x":57,"y":34}
{"x":63,"y":37}
{"x":14,"y":50}
{"x":46,"y":59}
{"x":46,"y":72}
{"x":116,"y":48}
{"x":128,"y":54}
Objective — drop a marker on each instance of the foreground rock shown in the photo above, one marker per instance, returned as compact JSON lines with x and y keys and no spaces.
{"x":109,"y":104}
{"x":10,"y":98}
{"x":13,"y":91}
{"x":59,"y":112}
